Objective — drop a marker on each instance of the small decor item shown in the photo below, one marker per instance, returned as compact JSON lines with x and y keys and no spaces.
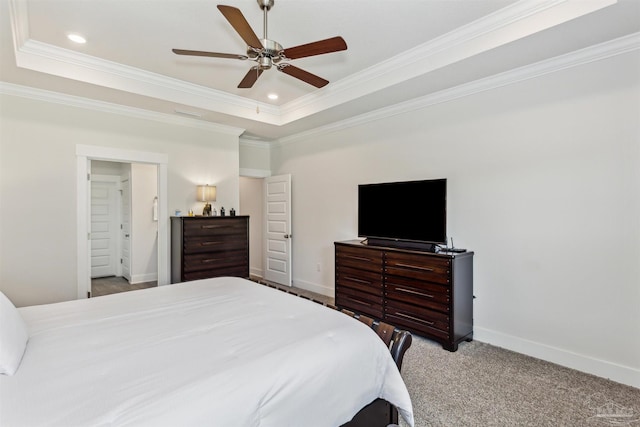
{"x":222,"y":211}
{"x":232,"y":212}
{"x":206,"y":193}
{"x":178,"y":212}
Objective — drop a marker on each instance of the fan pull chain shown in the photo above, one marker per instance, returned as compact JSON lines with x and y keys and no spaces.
{"x":257,"y":75}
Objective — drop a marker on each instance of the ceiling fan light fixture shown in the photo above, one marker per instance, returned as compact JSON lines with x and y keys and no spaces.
{"x":264,"y":63}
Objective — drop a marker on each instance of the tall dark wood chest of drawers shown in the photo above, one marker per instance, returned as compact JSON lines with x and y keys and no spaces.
{"x":203,"y":247}
{"x":430,"y":294}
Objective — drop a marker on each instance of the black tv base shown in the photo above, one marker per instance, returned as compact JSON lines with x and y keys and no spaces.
{"x":401,"y":244}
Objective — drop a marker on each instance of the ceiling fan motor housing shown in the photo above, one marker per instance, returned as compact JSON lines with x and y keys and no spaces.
{"x":270,"y":54}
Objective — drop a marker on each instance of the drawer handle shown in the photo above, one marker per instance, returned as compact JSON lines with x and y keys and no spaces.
{"x":415,"y":267}
{"x":368,"y":304}
{"x":414,"y":292}
{"x":355,"y":279}
{"x":358,"y":258}
{"x":406,"y":316}
{"x":209,"y":243}
{"x":210,"y":260}
{"x":205,"y":227}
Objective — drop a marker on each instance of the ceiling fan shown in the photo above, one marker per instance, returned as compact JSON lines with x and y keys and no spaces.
{"x":267,"y":53}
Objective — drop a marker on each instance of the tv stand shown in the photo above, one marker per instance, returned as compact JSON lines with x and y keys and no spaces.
{"x":401,"y":244}
{"x":429,"y":294}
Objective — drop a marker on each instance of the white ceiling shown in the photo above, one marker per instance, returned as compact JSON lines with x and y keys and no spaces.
{"x":398,"y":50}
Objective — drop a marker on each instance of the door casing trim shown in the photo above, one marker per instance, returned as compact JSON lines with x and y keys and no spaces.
{"x":85,"y":153}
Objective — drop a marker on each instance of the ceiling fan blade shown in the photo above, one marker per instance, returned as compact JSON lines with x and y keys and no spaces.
{"x":321,"y":47}
{"x":303,"y":75}
{"x":211,"y":54}
{"x":240,"y":24}
{"x":250,"y":78}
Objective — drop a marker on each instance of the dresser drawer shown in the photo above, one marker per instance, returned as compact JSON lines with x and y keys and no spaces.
{"x":415,"y":266}
{"x":363,"y":259}
{"x":419,"y":296}
{"x":364,"y":281}
{"x":215,"y":261}
{"x":417,"y":318}
{"x":360,"y":302}
{"x":214,"y":243}
{"x":237,"y":271}
{"x":214,"y":227}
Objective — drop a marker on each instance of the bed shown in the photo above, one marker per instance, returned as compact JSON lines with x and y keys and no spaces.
{"x":221,"y":352}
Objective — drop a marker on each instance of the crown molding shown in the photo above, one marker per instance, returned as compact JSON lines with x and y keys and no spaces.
{"x":107,"y":107}
{"x":66,"y":63}
{"x":251,"y":141}
{"x":598,"y":52}
{"x":590,"y":54}
{"x":255,"y":173}
{"x":506,"y":25}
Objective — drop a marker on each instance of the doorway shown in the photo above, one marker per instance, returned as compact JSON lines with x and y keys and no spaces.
{"x":270,"y":222}
{"x":123,"y":197}
{"x":85,"y":155}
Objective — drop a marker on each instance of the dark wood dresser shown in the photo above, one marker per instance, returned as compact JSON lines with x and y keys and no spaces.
{"x":203,"y":247}
{"x":430,"y":294}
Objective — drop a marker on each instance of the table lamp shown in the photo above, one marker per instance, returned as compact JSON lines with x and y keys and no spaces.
{"x":207,"y":194}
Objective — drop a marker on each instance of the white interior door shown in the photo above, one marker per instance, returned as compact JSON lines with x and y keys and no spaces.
{"x":125,"y":229}
{"x":104,"y":226}
{"x":277,"y":230}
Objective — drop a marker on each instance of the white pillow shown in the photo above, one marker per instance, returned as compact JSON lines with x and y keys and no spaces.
{"x":13,"y":337}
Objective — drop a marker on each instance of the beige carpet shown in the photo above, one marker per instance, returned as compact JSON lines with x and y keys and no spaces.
{"x":483,"y":385}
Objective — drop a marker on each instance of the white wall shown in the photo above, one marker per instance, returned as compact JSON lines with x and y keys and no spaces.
{"x":144,"y":230}
{"x":543,"y":184}
{"x":252,"y":204}
{"x":255,"y":158}
{"x":255,"y":164}
{"x":38,"y":157}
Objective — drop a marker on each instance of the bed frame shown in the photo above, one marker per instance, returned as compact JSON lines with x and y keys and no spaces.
{"x":378,"y":413}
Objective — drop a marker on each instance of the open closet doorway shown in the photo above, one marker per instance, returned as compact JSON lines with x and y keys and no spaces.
{"x":124,"y":229}
{"x":157,"y":210}
{"x":267,"y":201}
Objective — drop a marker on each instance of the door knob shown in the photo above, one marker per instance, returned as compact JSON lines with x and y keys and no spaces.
{"x":288,"y":236}
{"x":126,"y":235}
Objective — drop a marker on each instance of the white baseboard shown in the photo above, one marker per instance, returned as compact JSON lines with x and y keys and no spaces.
{"x":141,"y":278}
{"x":314,"y":287}
{"x":601,"y":368}
{"x":257,"y":272}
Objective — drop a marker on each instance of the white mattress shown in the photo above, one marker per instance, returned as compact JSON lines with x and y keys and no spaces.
{"x":219,"y":352}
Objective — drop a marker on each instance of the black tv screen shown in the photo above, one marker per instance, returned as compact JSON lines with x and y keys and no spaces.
{"x":413,"y":211}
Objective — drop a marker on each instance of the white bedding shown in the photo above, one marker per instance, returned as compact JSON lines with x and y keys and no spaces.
{"x":217,"y":352}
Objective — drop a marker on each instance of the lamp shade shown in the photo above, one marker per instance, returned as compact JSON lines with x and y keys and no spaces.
{"x":206,"y":193}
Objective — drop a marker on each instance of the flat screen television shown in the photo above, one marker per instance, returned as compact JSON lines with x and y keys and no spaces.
{"x":409,"y":213}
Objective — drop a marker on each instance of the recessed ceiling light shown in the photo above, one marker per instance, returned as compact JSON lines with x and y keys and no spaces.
{"x":273,"y":96}
{"x":76,"y":38}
